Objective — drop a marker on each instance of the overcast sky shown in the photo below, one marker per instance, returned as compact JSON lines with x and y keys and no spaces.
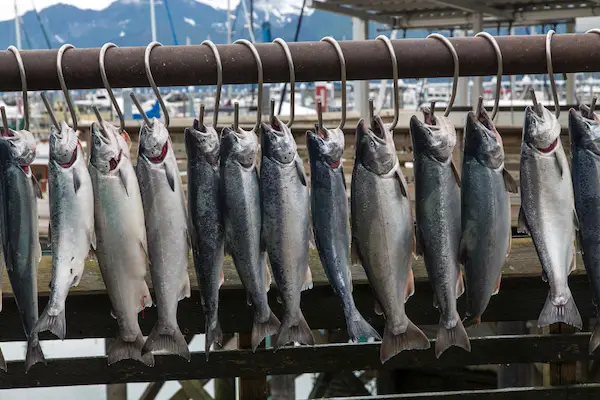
{"x":7,"y":11}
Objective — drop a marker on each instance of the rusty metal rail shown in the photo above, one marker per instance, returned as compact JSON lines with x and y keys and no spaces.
{"x":314,"y":61}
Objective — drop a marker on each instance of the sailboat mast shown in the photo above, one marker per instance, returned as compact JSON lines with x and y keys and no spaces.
{"x":17,"y":27}
{"x":152,"y":20}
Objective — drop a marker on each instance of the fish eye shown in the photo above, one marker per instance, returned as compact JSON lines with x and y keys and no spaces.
{"x":371,"y":143}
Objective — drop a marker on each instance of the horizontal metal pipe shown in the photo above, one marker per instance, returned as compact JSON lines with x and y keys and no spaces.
{"x":314,"y":61}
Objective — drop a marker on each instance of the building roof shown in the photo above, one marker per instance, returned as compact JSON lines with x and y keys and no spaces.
{"x":415,"y":14}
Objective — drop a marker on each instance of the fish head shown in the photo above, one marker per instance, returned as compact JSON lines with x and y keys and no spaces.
{"x":375,"y":148}
{"x":541,"y":131}
{"x":240,"y":146}
{"x":326,"y":145}
{"x":482,"y":140}
{"x":154,"y":142}
{"x":64,"y":145}
{"x":278,"y":143}
{"x":434,"y":137}
{"x":105,"y":152}
{"x":584,"y":127}
{"x":19,"y":147}
{"x":202,"y":143}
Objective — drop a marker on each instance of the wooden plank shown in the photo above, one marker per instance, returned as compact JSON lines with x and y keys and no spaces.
{"x":116,"y":391}
{"x":194,"y":389}
{"x":521,"y":298}
{"x":574,"y":392}
{"x":252,"y":387}
{"x":562,"y":373}
{"x":293,"y":360}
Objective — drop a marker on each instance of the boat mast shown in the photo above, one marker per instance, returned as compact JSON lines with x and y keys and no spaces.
{"x":17,"y":27}
{"x":152,"y":20}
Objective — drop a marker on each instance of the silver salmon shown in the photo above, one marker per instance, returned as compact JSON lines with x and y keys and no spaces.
{"x":23,"y":252}
{"x":165,"y":216}
{"x":548,"y":212}
{"x":242,"y":216}
{"x":206,"y":222}
{"x":329,"y":208}
{"x":486,"y":215}
{"x":285,"y":226}
{"x":121,"y":245}
{"x":383,"y":234}
{"x":584,"y":128}
{"x":437,"y":200}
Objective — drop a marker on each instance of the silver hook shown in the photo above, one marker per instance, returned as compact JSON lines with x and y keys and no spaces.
{"x":100,"y":120}
{"x":394,"y":60}
{"x":17,"y":54}
{"x":342,"y":59}
{"x":107,"y":84}
{"x":371,"y":112}
{"x":63,"y":85}
{"x":593,"y":105}
{"x":152,"y":83}
{"x":259,"y":67}
{"x":236,"y":116}
{"x":319,"y":116}
{"x":140,"y":109}
{"x":50,"y":110}
{"x":271,"y":110}
{"x":290,"y":60}
{"x":5,"y":127}
{"x":450,"y":47}
{"x":494,"y":43}
{"x":551,"y":71}
{"x":219,"y":83}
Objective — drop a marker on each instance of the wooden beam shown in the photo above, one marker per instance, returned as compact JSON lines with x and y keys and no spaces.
{"x":115,"y":391}
{"x":252,"y":388}
{"x":194,"y":389}
{"x":302,"y":359}
{"x":475,"y":6}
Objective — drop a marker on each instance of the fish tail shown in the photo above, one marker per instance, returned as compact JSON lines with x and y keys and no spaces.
{"x":594,"y":340}
{"x":123,"y":350}
{"x":294,"y":330}
{"x":456,"y":336}
{"x":34,"y":353}
{"x":359,"y":327}
{"x":411,"y":339}
{"x":261,"y":330}
{"x":2,"y":362}
{"x":57,"y":324}
{"x":167,"y":338}
{"x":566,"y":313}
{"x":214,"y":334}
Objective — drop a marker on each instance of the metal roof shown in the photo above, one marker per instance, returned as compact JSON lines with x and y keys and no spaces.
{"x":413,"y":14}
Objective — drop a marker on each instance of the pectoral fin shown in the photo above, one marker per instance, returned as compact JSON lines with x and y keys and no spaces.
{"x":509,"y":182}
{"x":170,"y":176}
{"x":123,"y":181}
{"x":403,"y":184}
{"x":455,"y":172}
{"x":522,"y":227}
{"x":76,"y":180}
{"x":300,"y":170}
{"x":36,"y":187}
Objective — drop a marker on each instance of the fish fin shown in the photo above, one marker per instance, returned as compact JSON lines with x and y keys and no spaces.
{"x":312,"y":243}
{"x":39,"y":252}
{"x":594,"y":340}
{"x":343,"y":177}
{"x":575,"y":220}
{"x":308,"y":281}
{"x":213,"y":335}
{"x":355,"y":255}
{"x":566,"y":313}
{"x":456,"y":336}
{"x":462,"y":252}
{"x":471,"y":320}
{"x":144,"y":247}
{"x":377,"y":307}
{"x":260,"y":330}
{"x":411,"y":339}
{"x":186,"y":291}
{"x":56,"y":324}
{"x":93,"y":239}
{"x":76,"y":180}
{"x":300,"y":170}
{"x":36,"y":187}
{"x":170,"y":176}
{"x":124,"y":182}
{"x":294,"y":330}
{"x":358,"y":327}
{"x":509,"y":242}
{"x":559,"y":163}
{"x":544,"y":276}
{"x":268,"y":278}
{"x":34,"y":353}
{"x":509,"y":182}
{"x":573,"y":264}
{"x":169,"y":339}
{"x":460,"y":285}
{"x":455,"y":172}
{"x":418,"y":249}
{"x":523,"y":227}
{"x":120,"y":350}
{"x":127,"y":138}
{"x":2,"y":362}
{"x":248,"y":300}
{"x":221,"y":278}
{"x":410,"y":285}
{"x":497,"y":286}
{"x":403,"y":185}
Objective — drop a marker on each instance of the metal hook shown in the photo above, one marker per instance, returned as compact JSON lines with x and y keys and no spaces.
{"x":5,"y":127}
{"x":219,"y":82}
{"x":50,"y":110}
{"x":100,"y":120}
{"x":592,"y":107}
{"x":494,"y":43}
{"x":394,"y":60}
{"x":319,"y":116}
{"x":259,"y":67}
{"x":236,"y":116}
{"x":17,"y":54}
{"x":479,"y":106}
{"x":63,"y":85}
{"x":107,"y":84}
{"x":152,"y":83}
{"x":371,"y":112}
{"x":536,"y":106}
{"x":140,"y":109}
{"x":201,"y":115}
{"x":290,"y":60}
{"x":272,"y":110}
{"x":342,"y":59}
{"x":450,"y":47}
{"x":551,"y":71}
{"x":431,"y":109}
